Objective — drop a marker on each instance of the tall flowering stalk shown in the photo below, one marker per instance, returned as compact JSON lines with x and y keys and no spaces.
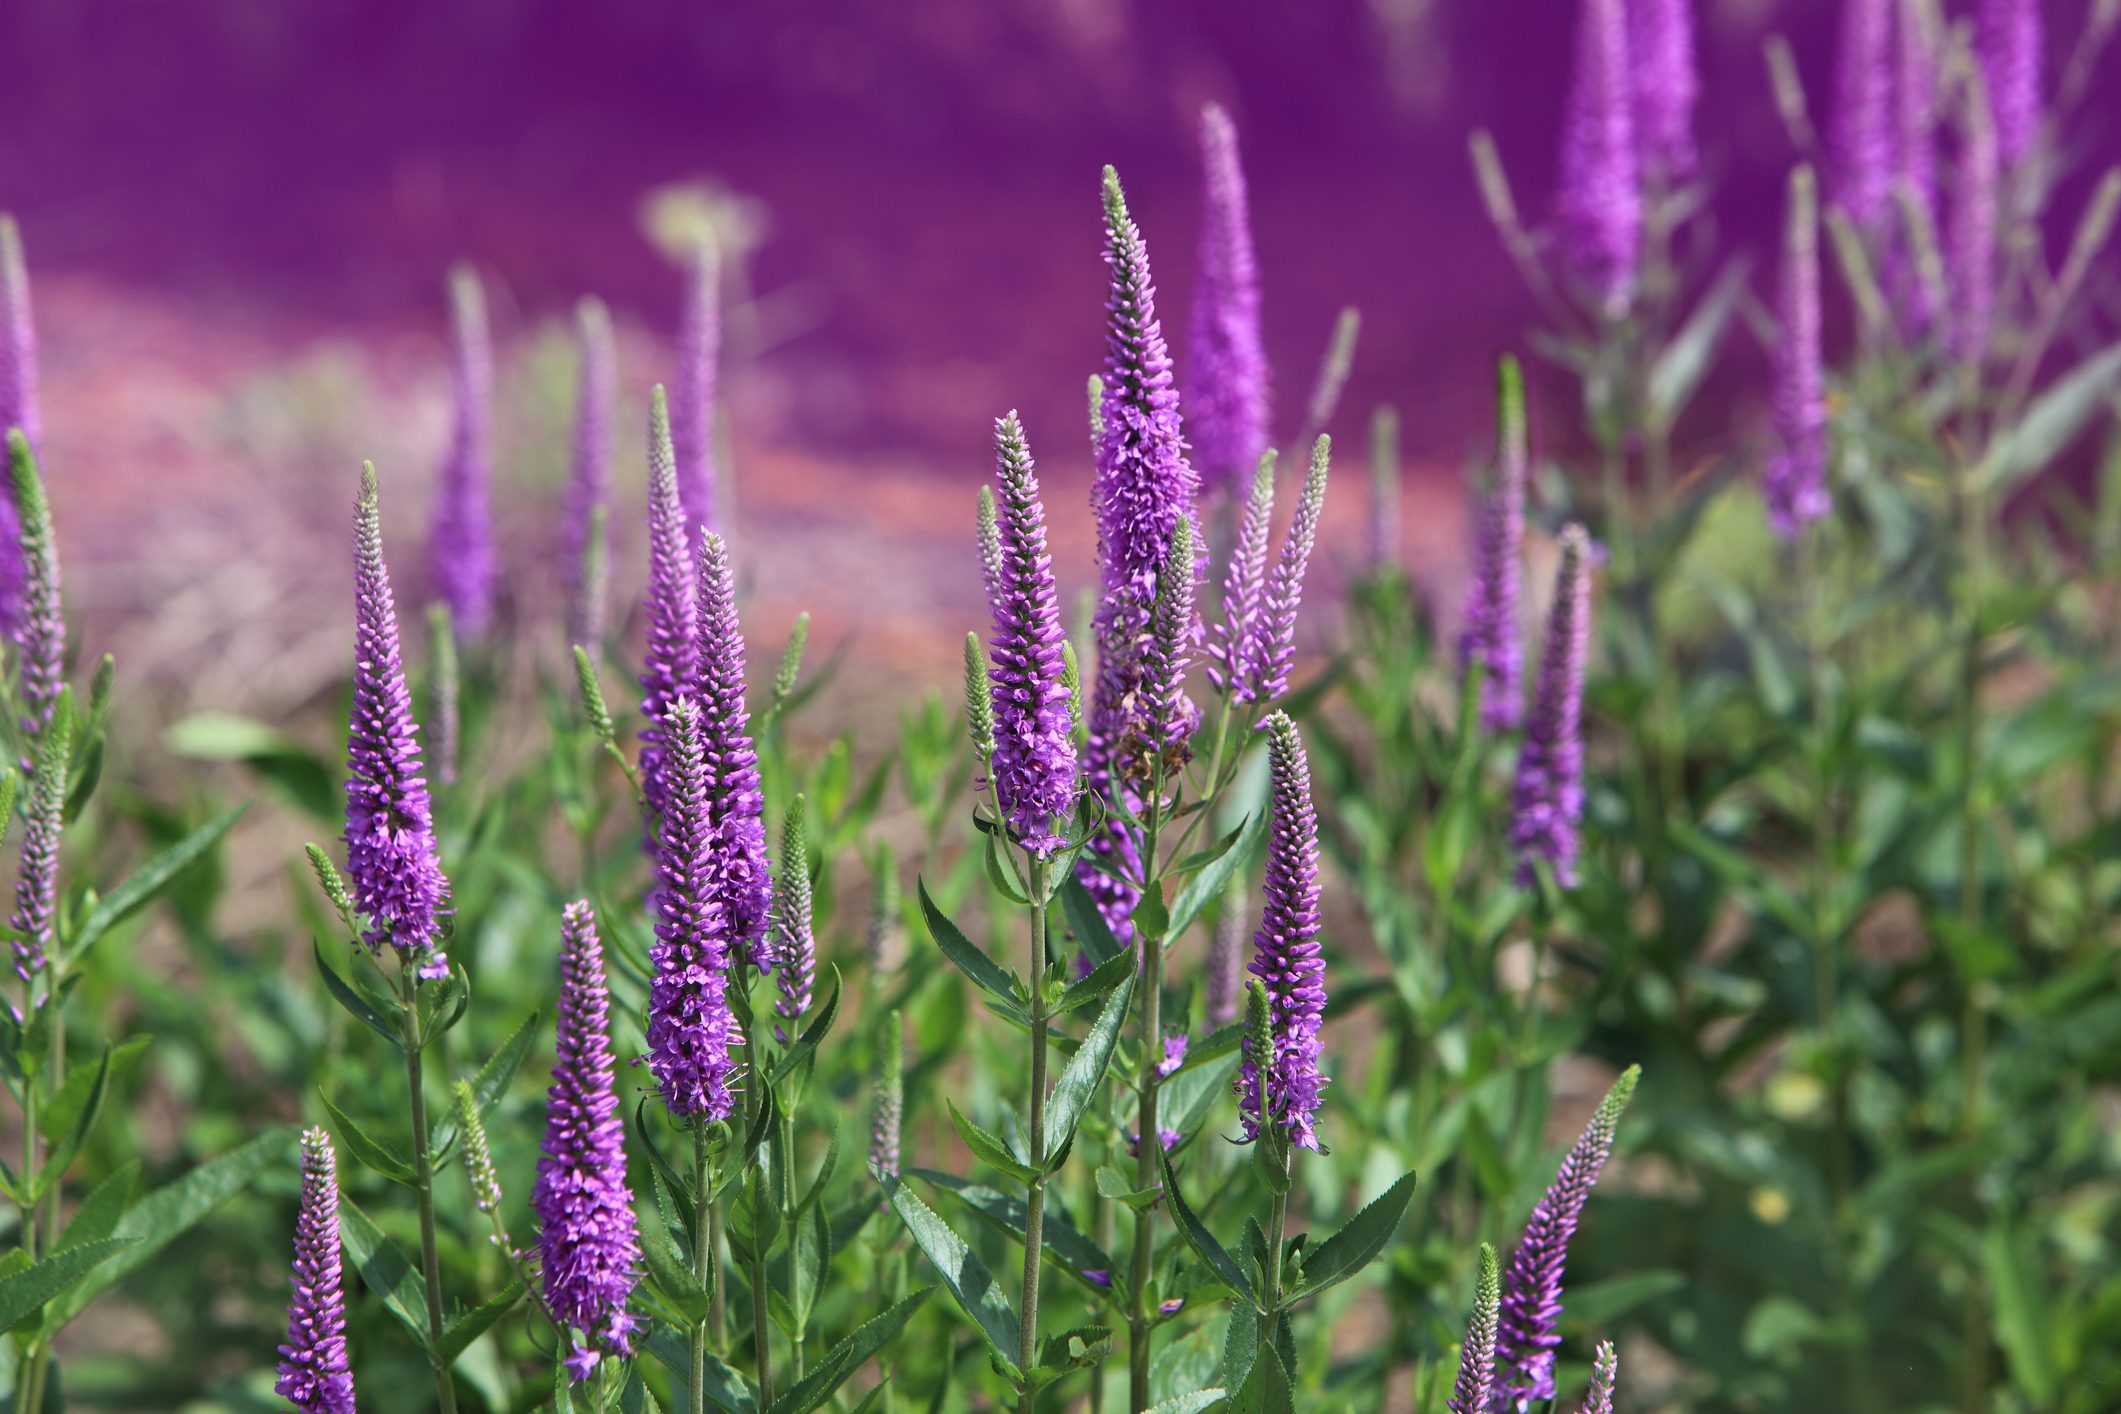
{"x":1490,"y":637}
{"x":1605,"y":1375}
{"x":1286,"y":956}
{"x":1159,"y":741}
{"x":1666,"y":84}
{"x":692,"y":401}
{"x":2009,"y":40}
{"x":1970,"y":253}
{"x":1034,"y":766}
{"x":670,"y":666}
{"x":1235,"y":650}
{"x":314,"y":1375}
{"x":1795,"y":486}
{"x":1599,"y":205}
{"x":1546,"y":805}
{"x":1226,"y":386}
{"x":391,"y":860}
{"x":1862,"y":138}
{"x":1474,"y":1390}
{"x":587,"y":1246}
{"x":584,"y":563}
{"x":1914,"y":159}
{"x":690,"y":1026}
{"x":1529,"y":1329}
{"x":37,"y":878}
{"x":40,"y":622}
{"x":18,"y":407}
{"x":890,"y":1107}
{"x":1269,"y":679}
{"x":461,"y":561}
{"x":794,"y":942}
{"x":735,"y":802}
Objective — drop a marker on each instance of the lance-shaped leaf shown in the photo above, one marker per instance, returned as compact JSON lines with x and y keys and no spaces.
{"x":1355,"y":1246}
{"x":2051,"y":423}
{"x":985,"y":973}
{"x":1086,"y":922}
{"x":1202,"y":1241}
{"x":370,"y":1153}
{"x":1064,"y":1241}
{"x":815,"y":1032}
{"x":1079,"y":1081}
{"x":151,"y":878}
{"x":487,"y":1087}
{"x":24,"y":1294}
{"x":385,"y":1268}
{"x":815,"y":1388}
{"x":1233,"y":852}
{"x":465,"y":1329}
{"x":357,"y":1006}
{"x":977,"y":1293}
{"x":989,"y":1148}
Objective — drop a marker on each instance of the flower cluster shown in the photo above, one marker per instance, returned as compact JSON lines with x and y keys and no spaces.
{"x":1286,"y":957}
{"x":314,"y":1375}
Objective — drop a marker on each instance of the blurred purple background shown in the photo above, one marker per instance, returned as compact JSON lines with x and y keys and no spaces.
{"x":212,"y":191}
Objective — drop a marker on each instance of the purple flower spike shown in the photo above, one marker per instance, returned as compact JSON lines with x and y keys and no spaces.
{"x":1599,"y":206}
{"x":1226,"y":392}
{"x":1796,"y":476}
{"x":1034,"y":772}
{"x":1667,"y":84}
{"x":1970,"y":255}
{"x":1605,"y":1375}
{"x":1285,"y":587}
{"x":43,"y":819}
{"x":670,"y":668}
{"x":1143,"y":488}
{"x":314,"y":1375}
{"x":735,"y":802}
{"x":1474,"y":1391}
{"x":2009,"y":41}
{"x":460,"y":548}
{"x":390,"y":842}
{"x":794,"y":942}
{"x":890,"y":1100}
{"x":1529,"y":1331}
{"x":1863,"y":123}
{"x":586,"y":1241}
{"x":1164,"y":718}
{"x":18,"y":407}
{"x":692,"y":399}
{"x":1235,"y":650}
{"x":40,"y":622}
{"x":1547,"y":800}
{"x":1490,"y":636}
{"x":583,"y":565}
{"x":690,"y":1026}
{"x":1286,"y":957}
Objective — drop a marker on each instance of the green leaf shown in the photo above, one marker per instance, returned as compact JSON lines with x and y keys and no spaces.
{"x":2017,"y":1294}
{"x":811,"y":1392}
{"x":98,"y":1215}
{"x":1064,"y":1242}
{"x":988,"y":1148}
{"x":86,"y":1108}
{"x":489,"y":1085}
{"x":1266,"y":1389}
{"x":983,"y":970}
{"x":356,"y":1005}
{"x":172,"y":1210}
{"x":1079,"y":1081}
{"x":385,"y":1268}
{"x":1356,"y":1245}
{"x":1118,"y":968}
{"x":24,"y":1294}
{"x":976,"y":1291}
{"x":1680,"y":368}
{"x":1602,"y":1304}
{"x":1202,"y":1241}
{"x":1087,"y":923}
{"x":480,"y":1319}
{"x":373,"y":1154}
{"x":1111,"y":1185}
{"x":1232,"y":853}
{"x":674,"y":1280}
{"x":1192,"y":1403}
{"x":151,"y":878}
{"x":815,"y":1032}
{"x":2051,"y":423}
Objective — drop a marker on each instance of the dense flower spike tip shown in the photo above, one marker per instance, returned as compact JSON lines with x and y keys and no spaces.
{"x":794,"y":942}
{"x":588,"y":1252}
{"x":890,"y":1100}
{"x":1285,"y":587}
{"x":990,"y":544}
{"x":670,"y":668}
{"x":979,"y":707}
{"x":40,"y":621}
{"x":690,"y":1026}
{"x":1605,"y":1377}
{"x":444,"y":690}
{"x":1226,"y":386}
{"x":1796,"y":475}
{"x":881,"y":934}
{"x":1034,"y":772}
{"x":584,"y":564}
{"x":1161,"y":726}
{"x":1286,"y":956}
{"x":1474,"y":1391}
{"x":1667,"y":85}
{"x":1384,"y":488}
{"x":1491,"y":636}
{"x":1863,"y":123}
{"x":1599,"y":205}
{"x":735,"y":801}
{"x":1236,"y":649}
{"x":1547,"y":800}
{"x":1970,"y":254}
{"x":1529,"y":1330}
{"x":314,"y":1375}
{"x":460,"y":550}
{"x":18,"y":405}
{"x":692,"y":402}
{"x":479,"y":1172}
{"x":43,"y":820}
{"x":1914,"y":160}
{"x":390,"y":842}
{"x":2009,"y":40}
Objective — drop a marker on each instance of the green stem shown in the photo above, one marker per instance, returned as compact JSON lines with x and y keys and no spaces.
{"x":706,"y":1237}
{"x":1277,"y":1226}
{"x":423,"y":1175}
{"x":1035,"y":1202}
{"x":784,"y":1161}
{"x":1973,"y":1022}
{"x":1826,"y":952}
{"x":1147,"y":1145}
{"x":761,"y":1324}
